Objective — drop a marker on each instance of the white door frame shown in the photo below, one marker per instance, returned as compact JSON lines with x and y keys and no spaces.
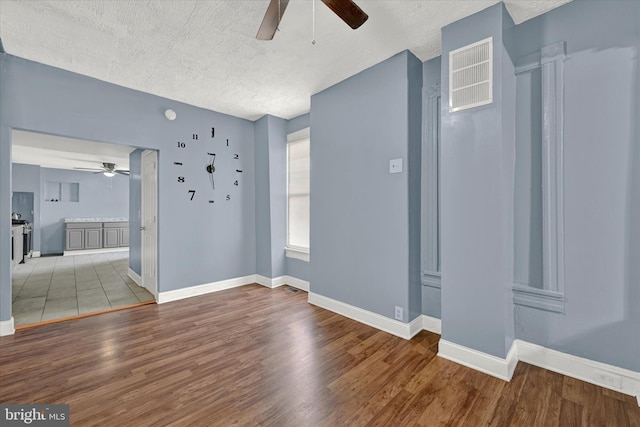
{"x":149,"y":221}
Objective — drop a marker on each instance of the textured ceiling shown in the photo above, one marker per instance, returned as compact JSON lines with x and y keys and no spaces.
{"x":205,"y":53}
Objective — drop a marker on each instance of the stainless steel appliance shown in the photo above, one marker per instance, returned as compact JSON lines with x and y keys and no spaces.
{"x":27,"y":236}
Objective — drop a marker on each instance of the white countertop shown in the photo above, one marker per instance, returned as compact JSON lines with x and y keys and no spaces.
{"x":96,"y":219}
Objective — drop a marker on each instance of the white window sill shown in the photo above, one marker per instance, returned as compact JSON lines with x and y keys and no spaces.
{"x":301,"y":254}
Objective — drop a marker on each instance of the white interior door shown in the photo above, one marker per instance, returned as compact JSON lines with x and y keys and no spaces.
{"x":149,"y":221}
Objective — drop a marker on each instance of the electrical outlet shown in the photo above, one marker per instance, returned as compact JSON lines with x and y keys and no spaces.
{"x":395,"y":166}
{"x":608,"y":379}
{"x":399,"y":315}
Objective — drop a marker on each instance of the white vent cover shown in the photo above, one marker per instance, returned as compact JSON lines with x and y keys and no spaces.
{"x":471,"y":75}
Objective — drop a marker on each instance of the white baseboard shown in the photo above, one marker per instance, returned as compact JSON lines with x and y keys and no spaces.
{"x":206,"y":288}
{"x":268,"y":282}
{"x":7,"y":327}
{"x":415,"y":326}
{"x":303,"y":285}
{"x":483,"y":362}
{"x":601,"y":374}
{"x":94,"y":251}
{"x":134,"y":276}
{"x":394,"y":327}
{"x":35,"y":254}
{"x":431,"y":324}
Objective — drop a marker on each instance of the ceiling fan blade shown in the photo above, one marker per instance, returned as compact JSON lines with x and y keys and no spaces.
{"x":272,"y":19}
{"x":122,"y":172}
{"x":348,"y":11}
{"x":89,"y":169}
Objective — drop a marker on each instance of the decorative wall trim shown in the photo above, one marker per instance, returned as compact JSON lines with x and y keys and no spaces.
{"x":552,"y":60}
{"x":35,"y":254}
{"x":134,"y":276}
{"x":300,"y":254}
{"x":94,"y":251}
{"x":601,"y":374}
{"x":483,"y":362}
{"x":394,"y":327}
{"x":7,"y":327}
{"x":542,"y":299}
{"x":431,"y":324}
{"x":432,"y":280}
{"x":430,"y":180}
{"x":206,"y":288}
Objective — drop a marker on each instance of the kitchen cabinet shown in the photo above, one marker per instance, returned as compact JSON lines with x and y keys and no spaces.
{"x":75,"y":239}
{"x":124,"y":236}
{"x":84,"y":235}
{"x":93,"y":238}
{"x":111,"y":238}
{"x":116,"y":234}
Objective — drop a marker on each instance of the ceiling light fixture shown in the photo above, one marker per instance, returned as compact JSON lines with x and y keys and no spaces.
{"x":109,"y":174}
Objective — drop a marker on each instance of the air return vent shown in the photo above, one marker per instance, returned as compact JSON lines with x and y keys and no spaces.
{"x":471,"y":75}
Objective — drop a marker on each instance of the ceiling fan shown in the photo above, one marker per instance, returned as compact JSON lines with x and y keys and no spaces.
{"x":108,"y":169}
{"x":347,"y":10}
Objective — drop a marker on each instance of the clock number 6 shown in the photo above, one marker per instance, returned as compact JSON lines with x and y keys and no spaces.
{"x":193,"y":193}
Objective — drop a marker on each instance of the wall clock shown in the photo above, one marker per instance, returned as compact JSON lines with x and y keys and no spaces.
{"x":221,"y":169}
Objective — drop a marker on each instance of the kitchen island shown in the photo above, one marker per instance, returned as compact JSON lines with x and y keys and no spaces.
{"x":96,"y":234}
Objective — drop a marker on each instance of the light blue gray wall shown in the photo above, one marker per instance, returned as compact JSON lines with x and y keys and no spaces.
{"x":602,"y":181}
{"x":26,"y":178}
{"x":135,"y":202}
{"x":431,"y":80}
{"x":271,"y":138}
{"x":360,"y":214}
{"x":198,"y":242}
{"x":297,"y":123}
{"x":477,"y":159}
{"x":414,"y":181}
{"x":99,"y":196}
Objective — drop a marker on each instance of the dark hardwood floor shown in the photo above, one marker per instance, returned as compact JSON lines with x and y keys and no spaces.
{"x":259,"y":357}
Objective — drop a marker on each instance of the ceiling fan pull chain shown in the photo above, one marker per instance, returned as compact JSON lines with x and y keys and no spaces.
{"x":313,"y":24}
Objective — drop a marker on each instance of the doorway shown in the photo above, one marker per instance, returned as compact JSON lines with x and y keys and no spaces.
{"x":83,"y":282}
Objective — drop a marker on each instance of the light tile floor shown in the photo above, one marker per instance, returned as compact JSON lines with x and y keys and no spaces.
{"x":50,"y":288}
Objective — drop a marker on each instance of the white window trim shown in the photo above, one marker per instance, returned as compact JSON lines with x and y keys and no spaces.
{"x":295,"y":252}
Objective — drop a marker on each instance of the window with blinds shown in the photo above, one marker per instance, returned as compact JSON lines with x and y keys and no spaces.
{"x":298,"y":178}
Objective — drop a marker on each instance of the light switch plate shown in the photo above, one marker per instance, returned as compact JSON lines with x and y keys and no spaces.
{"x":395,"y":166}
